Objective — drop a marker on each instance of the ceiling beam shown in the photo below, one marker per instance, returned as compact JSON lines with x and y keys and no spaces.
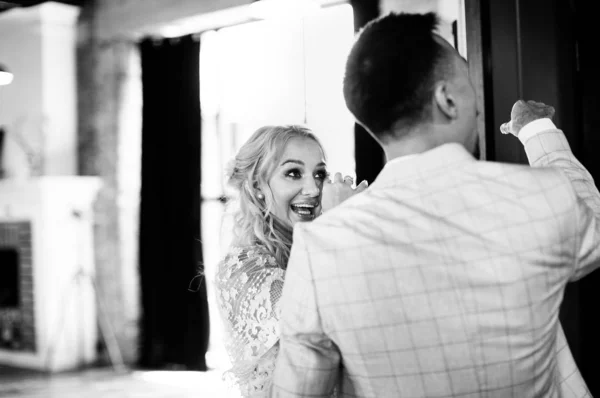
{"x":135,"y":18}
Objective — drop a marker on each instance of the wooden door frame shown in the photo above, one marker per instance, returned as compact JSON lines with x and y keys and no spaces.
{"x":476,"y":36}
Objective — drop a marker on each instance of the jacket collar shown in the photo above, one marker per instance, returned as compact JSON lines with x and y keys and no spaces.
{"x":436,"y":160}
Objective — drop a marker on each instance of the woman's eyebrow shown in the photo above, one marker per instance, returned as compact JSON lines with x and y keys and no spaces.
{"x":300,"y":162}
{"x":293,"y":161}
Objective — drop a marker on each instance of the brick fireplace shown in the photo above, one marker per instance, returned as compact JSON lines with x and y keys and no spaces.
{"x":47,"y":298}
{"x":17,"y":326}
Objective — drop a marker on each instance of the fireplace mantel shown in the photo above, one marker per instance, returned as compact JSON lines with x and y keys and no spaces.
{"x":71,"y":191}
{"x":58,"y":268}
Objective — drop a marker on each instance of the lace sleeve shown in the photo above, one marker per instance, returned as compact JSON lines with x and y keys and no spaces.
{"x":248,"y":287}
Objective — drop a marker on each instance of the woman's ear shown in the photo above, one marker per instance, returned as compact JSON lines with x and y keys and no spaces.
{"x":254,"y":190}
{"x":444,"y":100}
{"x":257,"y":187}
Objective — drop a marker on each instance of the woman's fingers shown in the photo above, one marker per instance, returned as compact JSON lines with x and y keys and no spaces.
{"x":338,"y":177}
{"x":362,"y":186}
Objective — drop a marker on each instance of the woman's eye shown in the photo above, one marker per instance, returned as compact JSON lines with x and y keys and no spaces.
{"x":295,"y":174}
{"x":321,"y":175}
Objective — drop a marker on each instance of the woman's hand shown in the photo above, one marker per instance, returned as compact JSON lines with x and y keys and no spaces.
{"x":338,"y":190}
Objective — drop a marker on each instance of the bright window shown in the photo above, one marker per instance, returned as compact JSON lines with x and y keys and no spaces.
{"x":286,"y":71}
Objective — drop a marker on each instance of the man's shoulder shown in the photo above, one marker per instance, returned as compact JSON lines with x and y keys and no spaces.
{"x":508,"y":180}
{"x":502,"y":171}
{"x":341,"y":214}
{"x":334,"y":223}
{"x":543,"y":191}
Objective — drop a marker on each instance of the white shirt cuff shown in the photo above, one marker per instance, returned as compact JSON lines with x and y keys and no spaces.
{"x":534,"y":128}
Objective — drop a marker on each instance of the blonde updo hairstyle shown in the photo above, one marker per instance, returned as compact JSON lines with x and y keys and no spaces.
{"x":249,"y":174}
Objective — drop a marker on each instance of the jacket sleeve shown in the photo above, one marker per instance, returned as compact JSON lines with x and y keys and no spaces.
{"x":546,"y":146}
{"x":308,"y":362}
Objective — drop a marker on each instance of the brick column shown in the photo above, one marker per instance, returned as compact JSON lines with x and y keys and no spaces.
{"x":109,"y":146}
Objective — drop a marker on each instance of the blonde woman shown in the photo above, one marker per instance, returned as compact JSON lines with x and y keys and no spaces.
{"x":279,"y":176}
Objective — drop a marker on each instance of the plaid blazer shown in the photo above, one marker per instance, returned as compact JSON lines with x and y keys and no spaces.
{"x":443,"y":279}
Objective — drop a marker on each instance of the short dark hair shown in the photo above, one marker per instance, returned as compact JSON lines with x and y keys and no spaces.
{"x":391,"y":70}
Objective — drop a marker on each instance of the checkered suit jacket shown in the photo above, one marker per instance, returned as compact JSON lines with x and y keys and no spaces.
{"x":443,"y":279}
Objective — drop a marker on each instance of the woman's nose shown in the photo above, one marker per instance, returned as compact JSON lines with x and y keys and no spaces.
{"x":311,"y":187}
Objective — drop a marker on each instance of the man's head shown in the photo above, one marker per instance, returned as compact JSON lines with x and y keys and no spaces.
{"x":403,"y":79}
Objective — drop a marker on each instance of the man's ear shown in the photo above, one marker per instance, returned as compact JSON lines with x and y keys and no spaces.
{"x":444,"y":100}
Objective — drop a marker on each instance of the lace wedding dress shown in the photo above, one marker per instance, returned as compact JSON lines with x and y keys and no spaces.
{"x":248,"y":286}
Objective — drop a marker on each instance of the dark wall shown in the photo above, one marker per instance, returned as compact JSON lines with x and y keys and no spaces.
{"x":368,"y":154}
{"x":588,"y":136}
{"x":532,"y":57}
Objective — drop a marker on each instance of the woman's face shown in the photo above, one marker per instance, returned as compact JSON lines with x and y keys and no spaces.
{"x":297,"y":182}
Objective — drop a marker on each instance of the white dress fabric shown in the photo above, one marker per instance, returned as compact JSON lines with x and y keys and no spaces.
{"x":248,"y":286}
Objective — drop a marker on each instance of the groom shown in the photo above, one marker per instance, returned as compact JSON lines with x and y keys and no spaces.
{"x":446,"y":276}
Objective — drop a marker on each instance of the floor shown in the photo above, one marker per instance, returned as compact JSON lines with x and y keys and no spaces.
{"x":105,"y":382}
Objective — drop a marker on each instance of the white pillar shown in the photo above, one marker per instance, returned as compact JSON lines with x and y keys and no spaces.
{"x":38,"y":110}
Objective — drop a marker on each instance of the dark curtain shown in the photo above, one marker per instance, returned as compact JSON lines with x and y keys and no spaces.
{"x":368,"y":153}
{"x":175,"y":323}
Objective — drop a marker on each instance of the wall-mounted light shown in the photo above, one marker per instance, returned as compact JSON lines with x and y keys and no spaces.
{"x":5,"y":76}
{"x":267,"y":9}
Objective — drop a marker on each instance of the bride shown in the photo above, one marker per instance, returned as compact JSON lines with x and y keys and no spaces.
{"x":279,"y":176}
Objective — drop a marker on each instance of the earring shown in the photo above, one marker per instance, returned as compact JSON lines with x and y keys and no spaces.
{"x":260,"y":195}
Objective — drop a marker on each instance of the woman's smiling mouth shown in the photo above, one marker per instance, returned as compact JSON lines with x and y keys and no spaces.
{"x":306,"y":211}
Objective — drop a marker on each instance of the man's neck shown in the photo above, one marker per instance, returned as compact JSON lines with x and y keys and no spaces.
{"x":411,"y":144}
